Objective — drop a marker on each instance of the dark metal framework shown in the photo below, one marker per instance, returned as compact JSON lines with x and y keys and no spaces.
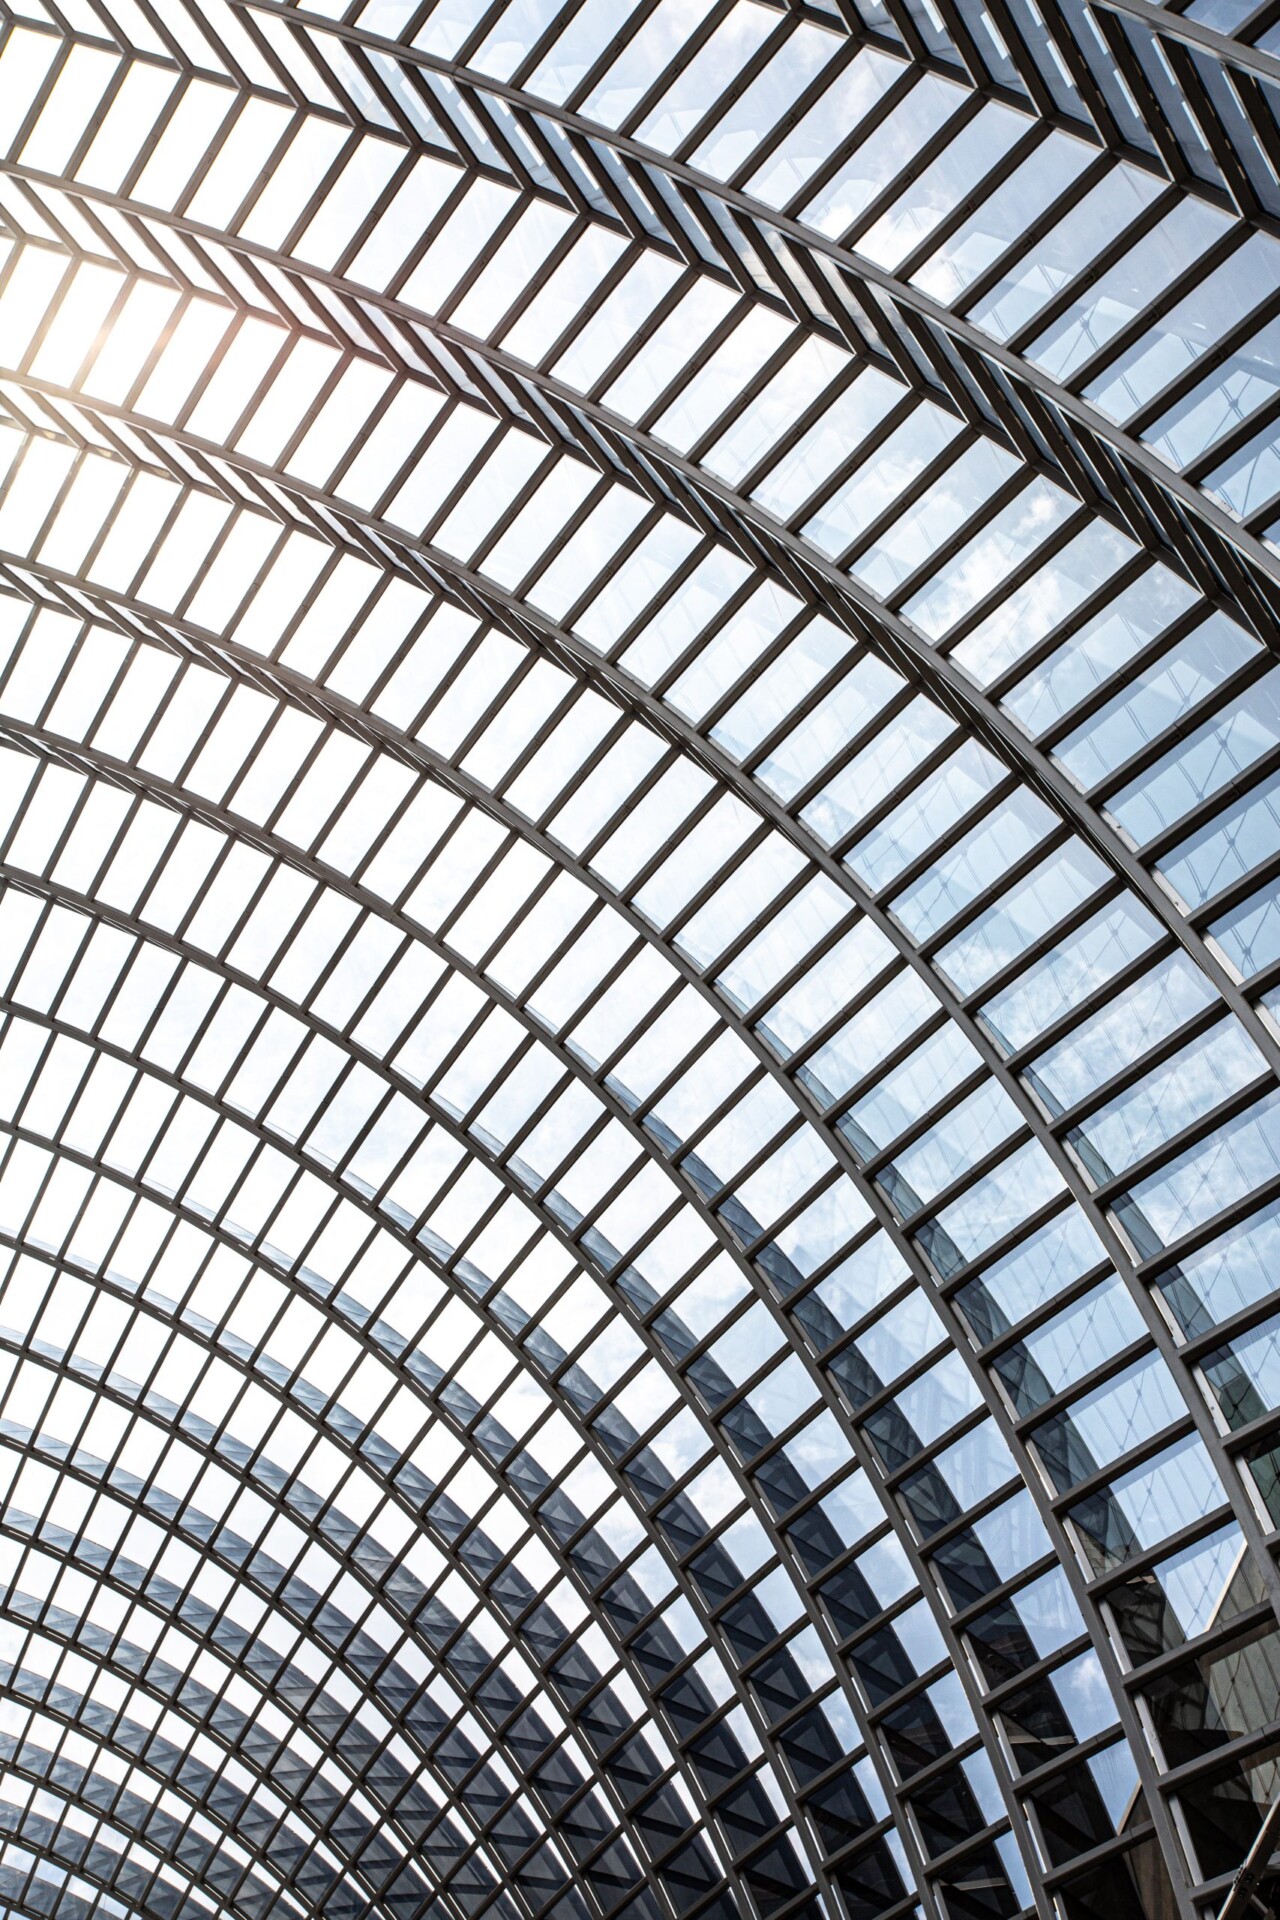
{"x":639,"y":958}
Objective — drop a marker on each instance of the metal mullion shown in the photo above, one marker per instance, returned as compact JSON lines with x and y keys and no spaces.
{"x":69,"y":1864}
{"x":60,"y":678}
{"x":1238,"y":1440}
{"x":1193,"y":1134}
{"x":618,"y":559}
{"x":706,"y":639}
{"x":727,"y":1190}
{"x":382,"y":680}
{"x":830,"y":168}
{"x":492,"y":85}
{"x":444,"y":685}
{"x":676,"y":386}
{"x":470,"y":475}
{"x":466,"y":172}
{"x":826,"y":76}
{"x":1218,"y":138}
{"x":1155,"y":749}
{"x":788,"y":19}
{"x":1199,"y":470}
{"x":962,"y":116}
{"x":811,"y":416}
{"x":552,"y":159}
{"x":346,"y":359}
{"x":1030,"y":236}
{"x":527,"y":195}
{"x":910,"y":497}
{"x":59,"y":499}
{"x":701,"y":1346}
{"x":631,"y":1039}
{"x":947,"y":550}
{"x":860,"y":649}
{"x":483,"y":874}
{"x":1080,"y":518}
{"x":36,"y":1074}
{"x":310,"y":758}
{"x":1100,"y":1586}
{"x":867,"y":1082}
{"x":207,"y":1018}
{"x":1101,"y":1479}
{"x":596,"y":993}
{"x":547,"y":1187}
{"x":894,"y":1478}
{"x":1118,"y":38}
{"x":1048,"y":1309}
{"x":1247,"y":86}
{"x":590,"y":79}
{"x":1234,"y":894}
{"x":669,"y":590}
{"x":942,"y":1110}
{"x":1257,"y":1740}
{"x":644,"y":333}
{"x":1032,"y":137}
{"x":44,"y":92}
{"x":889,"y":1390}
{"x":691,"y":44}
{"x":1083,"y":83}
{"x":1058,"y":837}
{"x":1165,"y":843}
{"x":592,"y":1213}
{"x":1105,"y":690}
{"x":754,"y":1015}
{"x":776,"y":1441}
{"x":950,"y":837}
{"x":214,"y":363}
{"x":743,"y":939}
{"x":526,"y":1045}
{"x":1196,"y":1348}
{"x":1183,"y":384}
{"x":690,"y":1143}
{"x":541,"y":736}
{"x":454,"y":1054}
{"x":629,"y":805}
{"x":1218,"y":1637}
{"x":522,"y":1001}
{"x":580,"y":137}
{"x":967,"y":1617}
{"x":710,"y":888}
{"x":888,"y":1616}
{"x":532,"y":900}
{"x":887,"y":804}
{"x":288,"y":85}
{"x":1028,"y":1425}
{"x":971,"y":1177}
{"x":1049,"y":1772}
{"x":861,"y":456}
{"x":849,"y":1335}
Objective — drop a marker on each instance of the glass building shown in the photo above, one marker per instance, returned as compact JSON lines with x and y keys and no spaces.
{"x":639,"y":958}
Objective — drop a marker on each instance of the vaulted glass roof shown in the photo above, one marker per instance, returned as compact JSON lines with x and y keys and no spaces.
{"x":639,"y":958}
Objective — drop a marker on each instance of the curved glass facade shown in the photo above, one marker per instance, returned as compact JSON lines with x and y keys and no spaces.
{"x":639,"y":958}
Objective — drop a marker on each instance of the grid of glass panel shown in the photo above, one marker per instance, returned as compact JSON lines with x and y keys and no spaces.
{"x":639,"y":958}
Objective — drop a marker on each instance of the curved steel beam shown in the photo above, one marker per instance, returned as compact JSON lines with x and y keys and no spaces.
{"x":674,"y":726}
{"x":853,"y":1434}
{"x":306,"y":1518}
